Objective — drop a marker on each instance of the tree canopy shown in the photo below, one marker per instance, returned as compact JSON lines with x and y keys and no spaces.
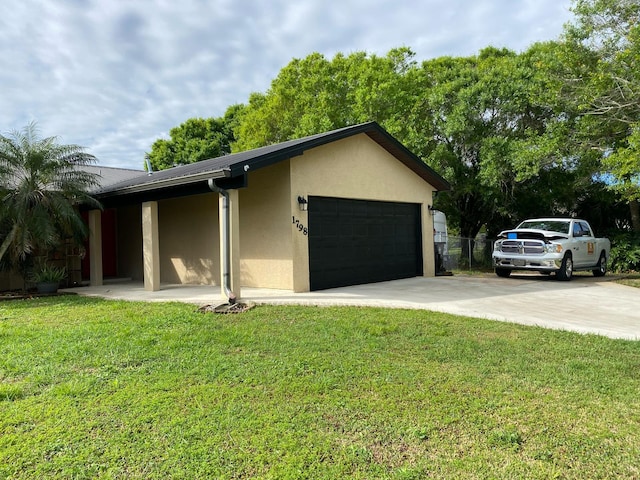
{"x":490,"y":124}
{"x":605,"y":36}
{"x":194,"y":140}
{"x":315,"y":94}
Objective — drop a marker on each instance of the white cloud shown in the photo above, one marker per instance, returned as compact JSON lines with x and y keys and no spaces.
{"x":114,"y":75}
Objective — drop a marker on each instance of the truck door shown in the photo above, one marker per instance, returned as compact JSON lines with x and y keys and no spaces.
{"x":588,"y":245}
{"x":578,"y":246}
{"x":584,"y":245}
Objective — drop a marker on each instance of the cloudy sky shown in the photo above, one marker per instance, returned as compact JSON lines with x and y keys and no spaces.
{"x":115,"y":75}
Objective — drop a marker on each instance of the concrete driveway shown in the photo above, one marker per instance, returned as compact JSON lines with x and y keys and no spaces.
{"x":585,"y":304}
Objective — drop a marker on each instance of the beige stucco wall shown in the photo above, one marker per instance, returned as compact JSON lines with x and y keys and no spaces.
{"x":265,"y":229}
{"x":357,"y":168}
{"x":189,"y":241}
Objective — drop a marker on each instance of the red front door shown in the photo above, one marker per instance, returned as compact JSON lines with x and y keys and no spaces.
{"x":109,"y":251}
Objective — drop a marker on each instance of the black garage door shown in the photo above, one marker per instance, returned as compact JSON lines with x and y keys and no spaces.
{"x":358,"y":241}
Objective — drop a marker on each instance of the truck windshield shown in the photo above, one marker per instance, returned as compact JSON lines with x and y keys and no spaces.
{"x":547,"y":225}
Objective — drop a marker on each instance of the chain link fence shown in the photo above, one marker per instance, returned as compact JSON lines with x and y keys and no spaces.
{"x":460,"y":253}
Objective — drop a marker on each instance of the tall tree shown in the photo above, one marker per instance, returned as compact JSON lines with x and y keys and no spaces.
{"x":194,"y":140}
{"x":41,"y":184}
{"x":606,"y":36}
{"x":481,"y":121}
{"x":491,"y":124}
{"x":315,"y":94}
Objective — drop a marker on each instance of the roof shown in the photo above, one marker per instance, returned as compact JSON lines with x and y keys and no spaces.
{"x":104,"y":176}
{"x":108,"y":176}
{"x":233,"y":166}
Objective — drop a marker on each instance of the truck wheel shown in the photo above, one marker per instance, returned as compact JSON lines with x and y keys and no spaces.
{"x":601,"y":267}
{"x":566,"y":269}
{"x":503,"y":272}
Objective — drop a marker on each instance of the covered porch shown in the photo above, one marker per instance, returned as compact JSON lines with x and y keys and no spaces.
{"x":207,"y":257}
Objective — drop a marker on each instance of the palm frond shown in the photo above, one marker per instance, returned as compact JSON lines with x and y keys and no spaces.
{"x":41,"y":184}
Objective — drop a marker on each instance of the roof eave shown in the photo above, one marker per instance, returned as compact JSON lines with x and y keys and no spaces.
{"x":374,"y":131}
{"x":166,"y":183}
{"x":241,"y":167}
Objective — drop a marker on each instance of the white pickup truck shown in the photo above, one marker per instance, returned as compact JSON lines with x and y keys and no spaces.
{"x":547,"y":245}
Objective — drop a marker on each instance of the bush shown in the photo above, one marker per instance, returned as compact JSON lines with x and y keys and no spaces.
{"x":625,"y":252}
{"x":49,"y":274}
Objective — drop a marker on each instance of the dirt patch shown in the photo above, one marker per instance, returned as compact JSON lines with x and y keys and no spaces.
{"x":227,"y":308}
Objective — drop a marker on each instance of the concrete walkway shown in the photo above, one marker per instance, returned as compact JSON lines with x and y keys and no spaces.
{"x":585,"y":304}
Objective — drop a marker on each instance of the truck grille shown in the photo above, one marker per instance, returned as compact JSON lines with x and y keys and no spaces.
{"x":523,"y":247}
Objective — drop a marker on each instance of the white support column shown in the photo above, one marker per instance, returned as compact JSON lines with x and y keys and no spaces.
{"x":150,"y":246}
{"x":234,"y":241}
{"x":95,"y":248}
{"x":234,"y":205}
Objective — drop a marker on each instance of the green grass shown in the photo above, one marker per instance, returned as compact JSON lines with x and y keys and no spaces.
{"x":631,"y":280}
{"x":101,"y":389}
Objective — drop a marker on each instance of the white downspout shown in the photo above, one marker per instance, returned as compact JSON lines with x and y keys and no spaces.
{"x":226,"y":241}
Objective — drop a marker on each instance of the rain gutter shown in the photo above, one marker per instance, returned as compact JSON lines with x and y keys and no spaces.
{"x":226,"y":240}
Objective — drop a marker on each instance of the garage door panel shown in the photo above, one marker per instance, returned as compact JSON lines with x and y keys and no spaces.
{"x":358,"y":241}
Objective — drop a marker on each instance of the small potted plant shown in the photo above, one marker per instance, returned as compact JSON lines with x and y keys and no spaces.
{"x":47,"y":278}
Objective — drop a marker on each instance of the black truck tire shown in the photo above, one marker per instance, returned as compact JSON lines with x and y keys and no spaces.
{"x":503,"y":272}
{"x":601,"y":267}
{"x":566,"y":269}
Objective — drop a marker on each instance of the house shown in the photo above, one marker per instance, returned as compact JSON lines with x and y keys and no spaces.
{"x":344,"y":207}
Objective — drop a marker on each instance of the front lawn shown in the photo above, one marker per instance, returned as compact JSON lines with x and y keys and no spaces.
{"x":102,"y":389}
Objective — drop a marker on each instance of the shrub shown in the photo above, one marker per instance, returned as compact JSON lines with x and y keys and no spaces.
{"x":49,"y":274}
{"x":625,"y":252}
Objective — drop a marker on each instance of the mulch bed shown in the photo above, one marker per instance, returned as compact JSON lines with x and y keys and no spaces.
{"x":19,"y":295}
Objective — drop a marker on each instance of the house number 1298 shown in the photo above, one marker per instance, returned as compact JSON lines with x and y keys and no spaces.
{"x":300,"y":227}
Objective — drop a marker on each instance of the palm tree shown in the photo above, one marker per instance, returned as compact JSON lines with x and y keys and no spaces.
{"x":41,"y":185}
